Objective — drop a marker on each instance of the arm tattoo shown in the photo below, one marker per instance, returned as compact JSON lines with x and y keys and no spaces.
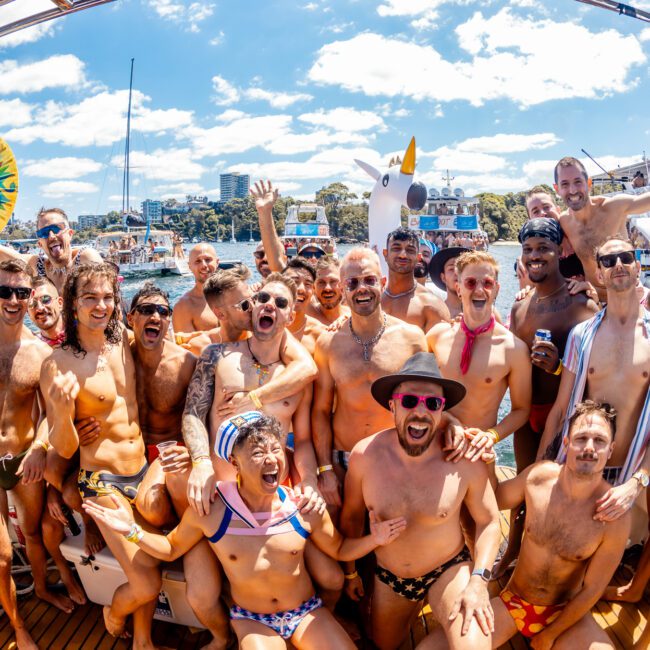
{"x":200,"y":395}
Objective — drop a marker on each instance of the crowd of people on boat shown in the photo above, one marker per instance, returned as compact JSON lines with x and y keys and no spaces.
{"x":332,"y":429}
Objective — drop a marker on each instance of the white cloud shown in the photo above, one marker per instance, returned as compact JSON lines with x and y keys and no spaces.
{"x":66,"y":167}
{"x":60,"y":189}
{"x":174,"y":189}
{"x":99,"y":120}
{"x":189,"y":15}
{"x":509,"y":57}
{"x":218,"y":39}
{"x":14,"y":11}
{"x":230,"y":115}
{"x":277,"y":99}
{"x":448,"y":158}
{"x":15,"y":112}
{"x":344,"y":119}
{"x":423,"y":12}
{"x":226,"y":92}
{"x":508,"y":143}
{"x":58,"y":71}
{"x":644,"y":36}
{"x":163,"y":164}
{"x":310,"y":6}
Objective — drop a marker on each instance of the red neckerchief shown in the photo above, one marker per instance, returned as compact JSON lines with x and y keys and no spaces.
{"x":470,"y":337}
{"x":53,"y":343}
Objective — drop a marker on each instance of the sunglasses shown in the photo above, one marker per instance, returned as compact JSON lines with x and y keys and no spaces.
{"x":312,"y":255}
{"x":410,"y":401}
{"x":43,"y":300}
{"x":55,"y":229}
{"x":471,"y":283}
{"x":259,"y":255}
{"x":369,"y":281}
{"x":149,"y":309}
{"x":263,"y":297}
{"x":242,"y":305}
{"x":21,"y":293}
{"x":609,"y":261}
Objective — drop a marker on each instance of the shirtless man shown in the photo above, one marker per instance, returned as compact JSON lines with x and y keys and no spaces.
{"x":403,"y":297}
{"x":590,"y":220}
{"x":484,"y":355}
{"x":607,"y":359}
{"x":23,"y":448}
{"x":327,"y":305}
{"x":44,"y":309}
{"x":274,"y":598}
{"x":228,"y":294}
{"x":371,"y":345}
{"x":443,"y":274}
{"x":566,"y":557}
{"x":57,"y":257}
{"x":93,"y":375}
{"x":305,"y":328}
{"x":549,"y":306}
{"x":163,"y":372}
{"x":403,"y":470}
{"x":191,"y":312}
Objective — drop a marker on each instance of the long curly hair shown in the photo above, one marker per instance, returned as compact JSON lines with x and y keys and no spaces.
{"x":78,"y":278}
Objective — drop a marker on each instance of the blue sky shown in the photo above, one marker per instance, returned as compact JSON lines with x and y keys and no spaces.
{"x":496,"y":91}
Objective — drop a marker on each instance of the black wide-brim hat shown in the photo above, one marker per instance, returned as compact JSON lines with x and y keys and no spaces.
{"x":422,"y":366}
{"x":438,"y":261}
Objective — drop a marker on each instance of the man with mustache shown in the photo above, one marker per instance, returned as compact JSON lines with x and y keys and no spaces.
{"x":327,"y":305}
{"x":403,"y":296}
{"x":370,"y":345}
{"x":607,"y":358}
{"x":403,"y":469}
{"x":590,"y":220}
{"x":549,"y":306}
{"x":566,"y":557}
{"x":44,"y":310}
{"x":191,"y":311}
{"x":484,"y":355}
{"x":57,"y":257}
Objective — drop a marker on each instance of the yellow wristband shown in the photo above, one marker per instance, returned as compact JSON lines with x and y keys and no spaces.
{"x":495,"y":435}
{"x":351,"y":576}
{"x":559,"y":369}
{"x":324,"y":468}
{"x":178,"y":339}
{"x":200,"y":460}
{"x":256,"y":400}
{"x":42,"y":444}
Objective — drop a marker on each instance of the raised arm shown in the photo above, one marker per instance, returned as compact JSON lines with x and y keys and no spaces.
{"x":200,"y":394}
{"x":9,"y":253}
{"x":602,"y":566}
{"x":59,"y":392}
{"x":321,"y":422}
{"x":630,"y":203}
{"x":265,"y":197}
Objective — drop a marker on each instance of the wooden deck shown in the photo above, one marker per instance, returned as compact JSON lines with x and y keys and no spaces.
{"x":84,"y":629}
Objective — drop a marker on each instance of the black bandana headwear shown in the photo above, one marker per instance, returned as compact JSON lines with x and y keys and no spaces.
{"x":542,"y":227}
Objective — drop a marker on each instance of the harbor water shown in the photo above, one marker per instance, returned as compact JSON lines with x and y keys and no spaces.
{"x":505,"y":254}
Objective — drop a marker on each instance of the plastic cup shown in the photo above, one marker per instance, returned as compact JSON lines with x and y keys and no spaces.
{"x":163,"y":446}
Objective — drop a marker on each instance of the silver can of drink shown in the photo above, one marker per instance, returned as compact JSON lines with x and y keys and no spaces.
{"x":543,"y":335}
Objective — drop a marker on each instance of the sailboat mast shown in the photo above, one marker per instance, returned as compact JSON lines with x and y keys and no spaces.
{"x":127,"y":150}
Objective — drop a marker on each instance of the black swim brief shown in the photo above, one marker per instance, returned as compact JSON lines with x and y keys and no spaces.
{"x":8,"y":467}
{"x":99,"y":484}
{"x":416,"y":589}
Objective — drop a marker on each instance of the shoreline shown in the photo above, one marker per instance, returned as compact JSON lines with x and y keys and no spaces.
{"x":504,"y":242}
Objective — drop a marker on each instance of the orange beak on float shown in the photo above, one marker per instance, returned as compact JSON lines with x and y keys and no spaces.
{"x":408,"y":165}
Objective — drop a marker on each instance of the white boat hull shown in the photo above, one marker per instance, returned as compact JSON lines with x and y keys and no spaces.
{"x":168,"y":266}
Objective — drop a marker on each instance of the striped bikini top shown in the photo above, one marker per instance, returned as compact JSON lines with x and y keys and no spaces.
{"x":285,"y":520}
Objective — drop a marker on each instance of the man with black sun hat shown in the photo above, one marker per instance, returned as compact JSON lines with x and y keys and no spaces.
{"x":403,"y":469}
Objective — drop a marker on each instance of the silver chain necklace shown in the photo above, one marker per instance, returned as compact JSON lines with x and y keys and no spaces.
{"x":366,"y":345}
{"x":404,"y":293}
